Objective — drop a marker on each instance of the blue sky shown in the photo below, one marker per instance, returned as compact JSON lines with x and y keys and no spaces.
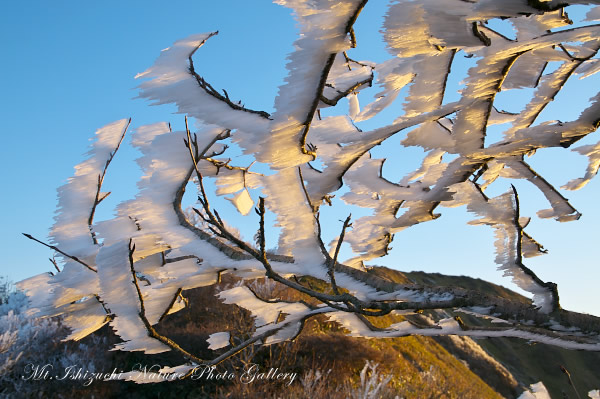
{"x":68,"y":69}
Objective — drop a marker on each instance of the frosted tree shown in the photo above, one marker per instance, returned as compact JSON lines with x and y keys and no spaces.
{"x":131,"y":271}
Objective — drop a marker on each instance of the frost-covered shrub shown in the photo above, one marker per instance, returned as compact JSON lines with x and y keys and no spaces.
{"x":373,"y":384}
{"x":6,"y":288}
{"x":30,"y":345}
{"x":23,"y":341}
{"x":314,"y":383}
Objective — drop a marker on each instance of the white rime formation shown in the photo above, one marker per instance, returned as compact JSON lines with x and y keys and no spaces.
{"x":133,"y":270}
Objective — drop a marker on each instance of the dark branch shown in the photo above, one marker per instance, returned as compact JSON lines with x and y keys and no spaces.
{"x":480,"y":35}
{"x":321,"y":86}
{"x":53,"y":261}
{"x":184,"y":257}
{"x":207,"y":87}
{"x":342,"y":94}
{"x":101,"y":176}
{"x":552,"y":287}
{"x":151,"y":330}
{"x":333,"y":262}
{"x":76,"y":259}
{"x":171,"y":304}
{"x":261,"y":230}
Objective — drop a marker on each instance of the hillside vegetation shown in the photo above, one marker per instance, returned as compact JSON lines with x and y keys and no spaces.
{"x":326,"y":362}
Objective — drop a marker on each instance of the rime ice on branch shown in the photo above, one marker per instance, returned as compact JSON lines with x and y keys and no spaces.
{"x":131,"y":271}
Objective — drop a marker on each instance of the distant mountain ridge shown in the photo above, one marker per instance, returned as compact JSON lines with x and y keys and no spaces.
{"x":526,"y":363}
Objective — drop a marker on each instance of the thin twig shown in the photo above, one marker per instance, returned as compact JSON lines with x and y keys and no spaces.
{"x":109,"y":314}
{"x":235,"y":350}
{"x":480,"y":35}
{"x":342,"y":94}
{"x":566,"y":372}
{"x":306,"y":195}
{"x":315,"y":214}
{"x":101,"y":176}
{"x":171,"y":304}
{"x":261,"y":230}
{"x":54,"y":263}
{"x":546,"y":94}
{"x":213,"y":217}
{"x":76,"y":259}
{"x":225,"y":164}
{"x":207,"y":87}
{"x":220,"y":275}
{"x":308,"y":305}
{"x":226,"y":133}
{"x":550,"y":286}
{"x":352,"y":38}
{"x":180,"y":258}
{"x":198,"y":173}
{"x":333,"y":262}
{"x":322,"y":82}
{"x":550,"y":192}
{"x":151,"y":331}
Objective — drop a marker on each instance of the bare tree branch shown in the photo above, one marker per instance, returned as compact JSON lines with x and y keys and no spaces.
{"x":211,"y":91}
{"x":333,"y":262}
{"x":99,"y":196}
{"x":324,"y":74}
{"x":171,"y":304}
{"x":53,"y":261}
{"x":548,"y":285}
{"x":151,"y":330}
{"x":76,"y":259}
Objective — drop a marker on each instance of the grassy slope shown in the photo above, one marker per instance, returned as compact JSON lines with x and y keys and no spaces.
{"x":527,"y":363}
{"x":533,"y":363}
{"x":422,"y":367}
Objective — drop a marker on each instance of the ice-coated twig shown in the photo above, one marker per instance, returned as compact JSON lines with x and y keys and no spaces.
{"x":101,"y":196}
{"x":311,"y":156}
{"x":171,"y":304}
{"x":151,"y":330}
{"x":319,"y":92}
{"x":207,"y":87}
{"x":551,"y":287}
